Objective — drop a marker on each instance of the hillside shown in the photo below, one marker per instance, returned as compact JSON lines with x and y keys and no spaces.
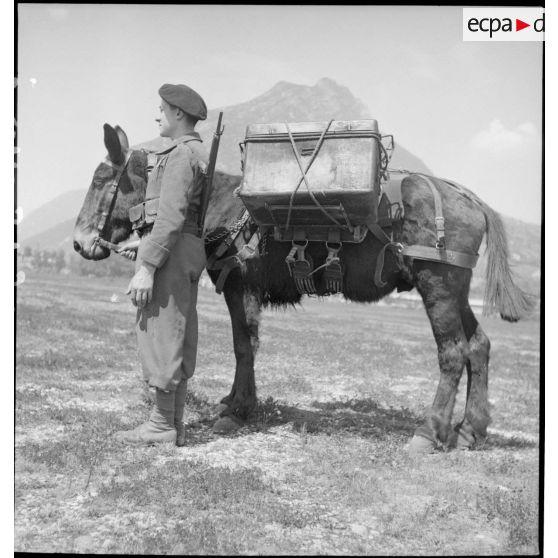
{"x":292,"y":103}
{"x":51,"y":214}
{"x":58,"y":237}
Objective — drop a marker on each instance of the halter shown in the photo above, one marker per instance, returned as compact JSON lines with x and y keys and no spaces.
{"x":109,"y":205}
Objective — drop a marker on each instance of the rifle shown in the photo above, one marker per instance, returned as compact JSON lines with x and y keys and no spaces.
{"x":211,"y":171}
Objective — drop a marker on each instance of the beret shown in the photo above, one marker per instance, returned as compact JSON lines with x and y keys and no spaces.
{"x":184,"y":98}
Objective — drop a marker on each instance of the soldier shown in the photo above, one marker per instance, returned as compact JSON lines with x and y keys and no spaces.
{"x":170,"y":260}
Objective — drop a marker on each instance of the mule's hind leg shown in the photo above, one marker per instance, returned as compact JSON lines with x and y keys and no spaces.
{"x":473,"y":427}
{"x":441,"y":288}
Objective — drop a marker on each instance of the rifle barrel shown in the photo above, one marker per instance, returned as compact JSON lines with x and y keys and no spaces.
{"x":211,"y":167}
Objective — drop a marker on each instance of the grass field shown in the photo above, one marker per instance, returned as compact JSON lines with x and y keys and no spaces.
{"x":322,"y":467}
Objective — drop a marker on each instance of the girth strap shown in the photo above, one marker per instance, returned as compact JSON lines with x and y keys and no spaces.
{"x":388,"y":244}
{"x":234,"y":261}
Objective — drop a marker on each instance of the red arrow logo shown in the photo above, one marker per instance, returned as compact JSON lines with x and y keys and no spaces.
{"x":519,"y":25}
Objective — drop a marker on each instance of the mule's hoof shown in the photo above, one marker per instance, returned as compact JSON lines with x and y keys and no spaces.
{"x":469,"y":441}
{"x":420,"y":445}
{"x":466,"y":438}
{"x":222,"y":407}
{"x":226,"y":425}
{"x":464,"y":442}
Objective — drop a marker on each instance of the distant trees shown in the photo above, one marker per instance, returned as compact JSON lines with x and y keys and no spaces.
{"x":113,"y":266}
{"x":57,"y":261}
{"x":53,"y":260}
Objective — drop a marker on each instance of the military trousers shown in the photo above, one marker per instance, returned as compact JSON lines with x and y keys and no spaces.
{"x":167,"y":328}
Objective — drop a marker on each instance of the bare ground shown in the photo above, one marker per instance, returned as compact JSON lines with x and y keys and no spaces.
{"x":320,"y":469}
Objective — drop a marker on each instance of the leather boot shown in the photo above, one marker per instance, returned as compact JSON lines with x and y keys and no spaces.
{"x":179,"y":403}
{"x":159,"y":427}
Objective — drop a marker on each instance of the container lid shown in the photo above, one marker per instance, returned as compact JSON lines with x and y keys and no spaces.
{"x":306,"y":128}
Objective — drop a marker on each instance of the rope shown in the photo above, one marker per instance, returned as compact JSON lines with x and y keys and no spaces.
{"x":297,"y":155}
{"x":316,"y":149}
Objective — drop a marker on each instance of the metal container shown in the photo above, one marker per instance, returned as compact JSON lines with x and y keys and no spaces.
{"x":342,"y":185}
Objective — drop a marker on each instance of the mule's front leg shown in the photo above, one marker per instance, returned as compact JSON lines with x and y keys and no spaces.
{"x":442,"y":306}
{"x":244,"y":308}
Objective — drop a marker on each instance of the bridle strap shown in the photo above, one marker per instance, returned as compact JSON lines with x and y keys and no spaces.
{"x":111,"y":197}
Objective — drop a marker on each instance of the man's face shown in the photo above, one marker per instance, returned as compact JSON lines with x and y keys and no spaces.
{"x":167,"y":120}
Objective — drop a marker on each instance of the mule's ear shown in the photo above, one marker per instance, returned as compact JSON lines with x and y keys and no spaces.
{"x":123,"y":138}
{"x":112,"y":143}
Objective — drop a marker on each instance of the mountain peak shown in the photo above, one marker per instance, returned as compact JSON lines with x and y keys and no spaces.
{"x":322,"y":84}
{"x":293,"y":102}
{"x":282,"y":86}
{"x":326,"y":82}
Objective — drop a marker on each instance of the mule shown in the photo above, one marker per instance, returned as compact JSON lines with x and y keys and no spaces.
{"x":265,"y":281}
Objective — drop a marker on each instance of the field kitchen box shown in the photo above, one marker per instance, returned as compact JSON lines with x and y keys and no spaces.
{"x":344,"y":177}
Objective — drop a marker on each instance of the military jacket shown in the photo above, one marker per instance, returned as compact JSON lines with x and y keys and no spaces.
{"x":172,"y":180}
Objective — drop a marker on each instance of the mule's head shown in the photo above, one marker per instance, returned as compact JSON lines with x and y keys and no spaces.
{"x":100,"y":198}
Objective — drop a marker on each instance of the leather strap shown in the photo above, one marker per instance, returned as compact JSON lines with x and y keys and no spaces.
{"x":191,"y":228}
{"x":228,"y":265}
{"x":249,"y":249}
{"x":395,"y":248}
{"x":236,"y":260}
{"x":112,"y":192}
{"x":379,"y":233}
{"x":450,"y":257}
{"x":439,"y":216}
{"x":388,"y":244}
{"x":228,"y":241}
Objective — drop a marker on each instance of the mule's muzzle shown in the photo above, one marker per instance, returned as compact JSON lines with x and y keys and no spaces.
{"x":86,"y":247}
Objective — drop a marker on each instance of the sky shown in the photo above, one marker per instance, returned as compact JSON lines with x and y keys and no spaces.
{"x":472,"y":111}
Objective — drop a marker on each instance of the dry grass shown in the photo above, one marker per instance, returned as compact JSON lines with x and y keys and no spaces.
{"x":320,"y":469}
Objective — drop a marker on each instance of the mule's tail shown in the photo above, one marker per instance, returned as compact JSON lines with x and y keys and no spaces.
{"x":501,"y":293}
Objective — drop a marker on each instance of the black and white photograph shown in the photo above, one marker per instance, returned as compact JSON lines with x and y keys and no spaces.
{"x":278,"y":279}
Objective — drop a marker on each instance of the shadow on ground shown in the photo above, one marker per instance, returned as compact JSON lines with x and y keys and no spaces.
{"x":497,"y":441}
{"x":360,"y":417}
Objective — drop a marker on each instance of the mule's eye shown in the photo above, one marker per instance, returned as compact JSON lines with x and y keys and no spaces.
{"x":98,"y":183}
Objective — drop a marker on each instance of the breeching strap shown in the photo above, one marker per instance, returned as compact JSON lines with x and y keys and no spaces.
{"x":439,"y":253}
{"x":451,"y":257}
{"x":439,"y":216}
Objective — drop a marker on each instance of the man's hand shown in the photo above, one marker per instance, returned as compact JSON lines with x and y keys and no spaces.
{"x":140,"y":288}
{"x":130,"y":249}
